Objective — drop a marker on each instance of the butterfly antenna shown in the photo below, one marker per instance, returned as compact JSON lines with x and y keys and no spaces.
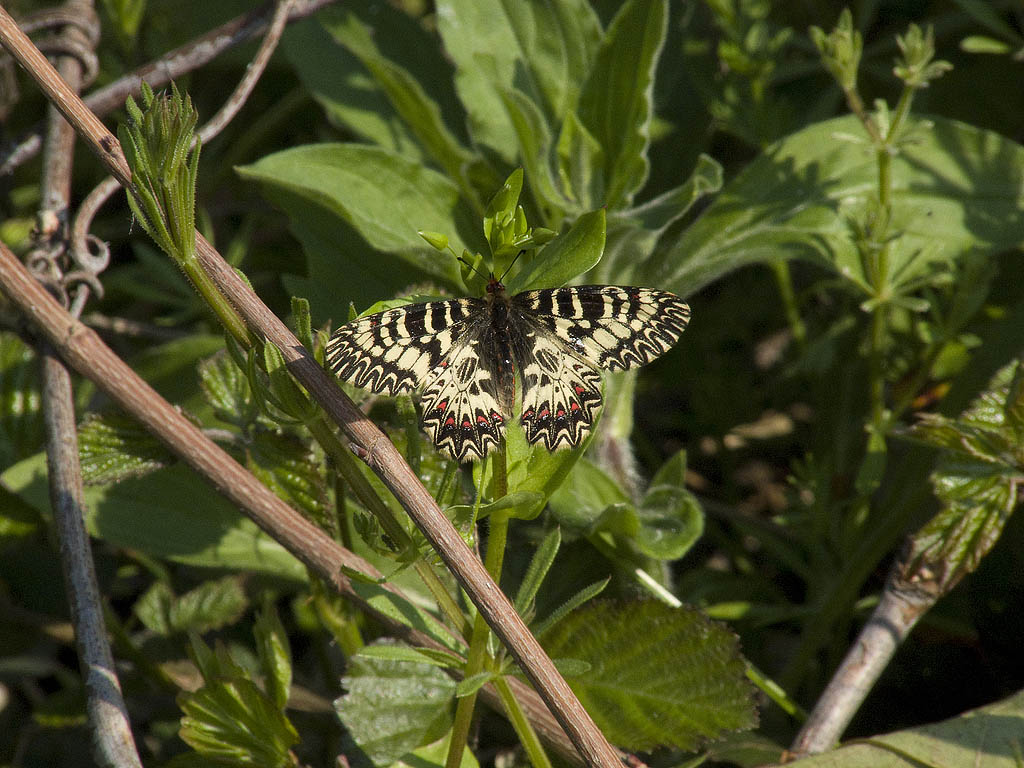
{"x":464,"y":261}
{"x":509,"y":267}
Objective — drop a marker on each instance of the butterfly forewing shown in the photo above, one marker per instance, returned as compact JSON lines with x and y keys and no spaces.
{"x":394,"y":351}
{"x":467,"y":355}
{"x":610,"y":326}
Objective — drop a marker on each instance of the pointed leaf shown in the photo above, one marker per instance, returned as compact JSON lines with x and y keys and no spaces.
{"x":274,"y":654}
{"x":537,"y":570}
{"x":616,"y":105}
{"x":565,"y":257}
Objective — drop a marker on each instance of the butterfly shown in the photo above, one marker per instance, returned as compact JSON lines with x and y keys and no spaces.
{"x":467,"y":356}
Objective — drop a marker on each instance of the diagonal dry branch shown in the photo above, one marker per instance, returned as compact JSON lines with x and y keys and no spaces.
{"x":385,"y":460}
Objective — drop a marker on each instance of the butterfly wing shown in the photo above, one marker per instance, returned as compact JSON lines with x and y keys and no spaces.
{"x":613,"y":327}
{"x":561,"y":391}
{"x":464,"y":399}
{"x":394,"y":351}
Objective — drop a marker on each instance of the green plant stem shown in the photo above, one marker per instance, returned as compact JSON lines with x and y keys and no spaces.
{"x":784,"y":280}
{"x":216,"y":300}
{"x":527,"y":736}
{"x":361,"y":488}
{"x":476,"y":659}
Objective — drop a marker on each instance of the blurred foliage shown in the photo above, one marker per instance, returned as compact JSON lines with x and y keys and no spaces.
{"x":838,"y":195}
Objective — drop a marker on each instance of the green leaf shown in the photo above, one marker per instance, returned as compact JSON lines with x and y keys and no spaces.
{"x":567,"y":256}
{"x":956,"y":190}
{"x":473,"y":683}
{"x":988,"y":736}
{"x":153,"y":608}
{"x":634,"y":232}
{"x":393,"y":707}
{"x":616,"y":105}
{"x":230,"y":719}
{"x":544,"y":49}
{"x":408,"y":99}
{"x":347,"y":95}
{"x":580,"y":163}
{"x":170,"y":513}
{"x":112,"y":447}
{"x":537,"y":570}
{"x":404,"y":653}
{"x":535,"y":146}
{"x":589,"y":491}
{"x":670,"y":521}
{"x":21,"y":422}
{"x":582,"y":597}
{"x":290,"y":469}
{"x":977,"y":479}
{"x":274,"y":654}
{"x":226,"y":387}
{"x":211,"y":605}
{"x":385,"y":198}
{"x":678,"y":682}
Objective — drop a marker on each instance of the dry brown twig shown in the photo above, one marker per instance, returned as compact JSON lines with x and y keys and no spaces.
{"x":258,"y":502}
{"x":175,"y":63}
{"x":105,"y":704}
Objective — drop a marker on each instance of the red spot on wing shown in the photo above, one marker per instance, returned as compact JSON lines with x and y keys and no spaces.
{"x":574,"y":406}
{"x":496,"y":417}
{"x":449,"y":421}
{"x":544,"y":414}
{"x":442,"y":406}
{"x":560,"y":413}
{"x":466,"y":424}
{"x":481,"y":419}
{"x":579,"y":389}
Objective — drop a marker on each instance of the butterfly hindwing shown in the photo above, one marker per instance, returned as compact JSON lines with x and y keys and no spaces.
{"x":395,"y":350}
{"x":462,"y":403}
{"x":613,"y":327}
{"x":561,"y":392}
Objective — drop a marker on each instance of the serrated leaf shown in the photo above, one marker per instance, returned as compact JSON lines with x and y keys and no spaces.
{"x":988,"y":736}
{"x":977,"y":479}
{"x":616,"y":104}
{"x":678,"y":682}
{"x":153,"y":608}
{"x":112,"y":447}
{"x":227,"y":389}
{"x":291,"y":470}
{"x":231,"y":719}
{"x":393,"y":707}
{"x":211,"y":605}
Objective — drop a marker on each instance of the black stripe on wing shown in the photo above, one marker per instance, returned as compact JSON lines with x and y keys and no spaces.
{"x":613,"y":327}
{"x":394,"y":351}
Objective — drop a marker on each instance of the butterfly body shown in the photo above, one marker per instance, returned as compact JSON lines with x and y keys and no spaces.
{"x":468,"y":356}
